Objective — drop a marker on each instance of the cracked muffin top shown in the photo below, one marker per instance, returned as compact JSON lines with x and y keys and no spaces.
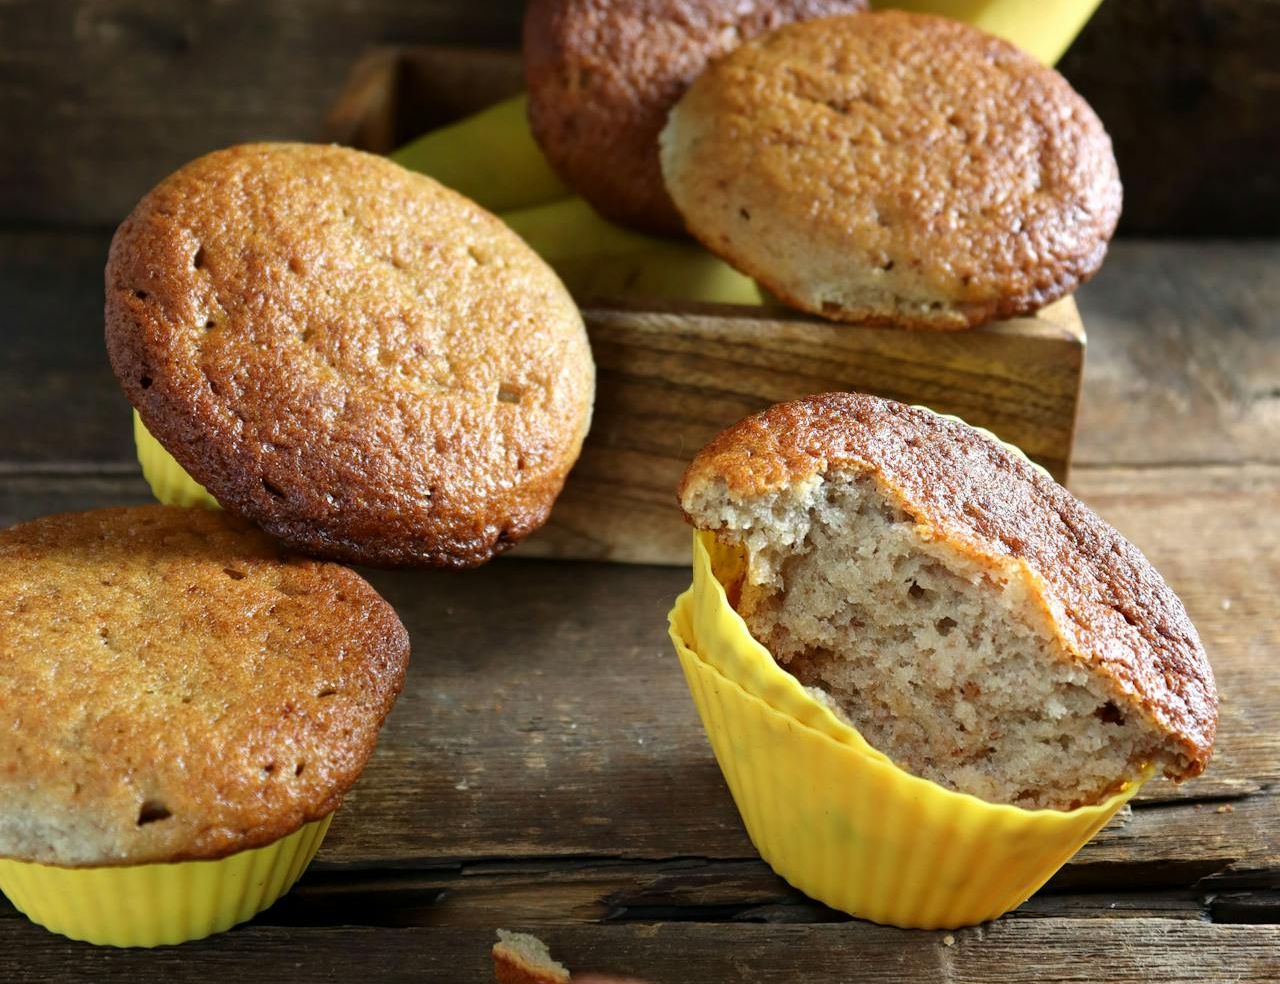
{"x":362,"y":362}
{"x":894,"y":168}
{"x":173,"y":687}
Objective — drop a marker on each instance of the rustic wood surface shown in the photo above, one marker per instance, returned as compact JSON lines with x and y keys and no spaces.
{"x":101,"y":98}
{"x":669,"y":382}
{"x":545,"y":769}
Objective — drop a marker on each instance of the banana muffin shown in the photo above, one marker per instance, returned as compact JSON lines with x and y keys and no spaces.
{"x":362,"y":362}
{"x":969,"y":616}
{"x":602,"y":75}
{"x":894,"y":169}
{"x":177,"y":689}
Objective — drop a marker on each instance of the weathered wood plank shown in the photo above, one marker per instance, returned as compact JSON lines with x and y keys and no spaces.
{"x":1184,"y":355}
{"x":1032,"y":951}
{"x":111,"y":95}
{"x":480,"y":895}
{"x":670,"y":381}
{"x":58,"y":399}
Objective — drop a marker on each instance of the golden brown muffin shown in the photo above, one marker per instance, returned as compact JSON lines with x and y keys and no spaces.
{"x":603,"y":74}
{"x":362,"y":362}
{"x":973,"y":619}
{"x":174,"y":688}
{"x":894,"y":169}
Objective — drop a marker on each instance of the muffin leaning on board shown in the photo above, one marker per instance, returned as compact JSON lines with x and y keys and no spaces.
{"x":896,"y":169}
{"x":890,"y":168}
{"x":363,"y":363}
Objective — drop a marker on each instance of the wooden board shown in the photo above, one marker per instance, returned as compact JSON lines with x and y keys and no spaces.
{"x":545,"y":769}
{"x":672,"y":377}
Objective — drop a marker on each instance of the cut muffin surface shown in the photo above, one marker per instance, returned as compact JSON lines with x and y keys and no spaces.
{"x":971,"y":618}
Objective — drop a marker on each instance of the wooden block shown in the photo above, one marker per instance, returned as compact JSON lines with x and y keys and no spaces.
{"x":672,"y":375}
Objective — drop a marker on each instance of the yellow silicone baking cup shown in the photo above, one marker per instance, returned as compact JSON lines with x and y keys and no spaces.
{"x":853,"y":830}
{"x":160,"y":904}
{"x":169,"y":481}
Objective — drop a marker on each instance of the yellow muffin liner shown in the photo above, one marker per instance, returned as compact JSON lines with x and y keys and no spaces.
{"x":168,"y":480}
{"x":840,"y":821}
{"x":160,"y":904}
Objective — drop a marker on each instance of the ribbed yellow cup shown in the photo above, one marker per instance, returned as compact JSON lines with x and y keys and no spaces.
{"x":168,"y":480}
{"x":1043,"y":28}
{"x":837,"y":819}
{"x":160,"y":904}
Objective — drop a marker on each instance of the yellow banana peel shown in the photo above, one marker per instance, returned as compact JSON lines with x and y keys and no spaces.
{"x":596,"y":258}
{"x":491,"y":157}
{"x":1043,"y":28}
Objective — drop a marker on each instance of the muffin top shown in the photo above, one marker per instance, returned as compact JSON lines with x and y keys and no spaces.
{"x":894,"y":168}
{"x":602,"y":75}
{"x":1115,"y":613}
{"x":362,"y":362}
{"x":175,"y":688}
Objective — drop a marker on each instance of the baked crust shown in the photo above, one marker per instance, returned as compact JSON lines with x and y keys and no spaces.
{"x":174,"y":688}
{"x":603,"y":74}
{"x":362,"y":362}
{"x":894,"y":169}
{"x":519,"y":958}
{"x":1112,"y":610}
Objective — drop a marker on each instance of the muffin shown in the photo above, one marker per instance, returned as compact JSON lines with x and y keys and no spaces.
{"x":183,"y":692}
{"x":928,"y":672}
{"x":356,"y":359}
{"x":519,"y":958}
{"x":894,"y":169}
{"x":602,"y":75}
{"x":970,"y":617}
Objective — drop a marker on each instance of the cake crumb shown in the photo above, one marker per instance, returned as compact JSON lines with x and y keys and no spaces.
{"x":1226,"y":808}
{"x":948,"y":940}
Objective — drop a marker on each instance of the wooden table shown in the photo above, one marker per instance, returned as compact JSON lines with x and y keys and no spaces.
{"x":545,"y":770}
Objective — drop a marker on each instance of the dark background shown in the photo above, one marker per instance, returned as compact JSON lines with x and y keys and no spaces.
{"x":101,"y":98}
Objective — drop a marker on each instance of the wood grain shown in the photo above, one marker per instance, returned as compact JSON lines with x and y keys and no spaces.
{"x":1184,"y":354}
{"x":1187,"y":82}
{"x":670,"y":381}
{"x":1176,"y":951}
{"x":545,"y":769}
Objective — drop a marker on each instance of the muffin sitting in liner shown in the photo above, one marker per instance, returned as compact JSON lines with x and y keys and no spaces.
{"x":948,"y":603}
{"x":185,"y":709}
